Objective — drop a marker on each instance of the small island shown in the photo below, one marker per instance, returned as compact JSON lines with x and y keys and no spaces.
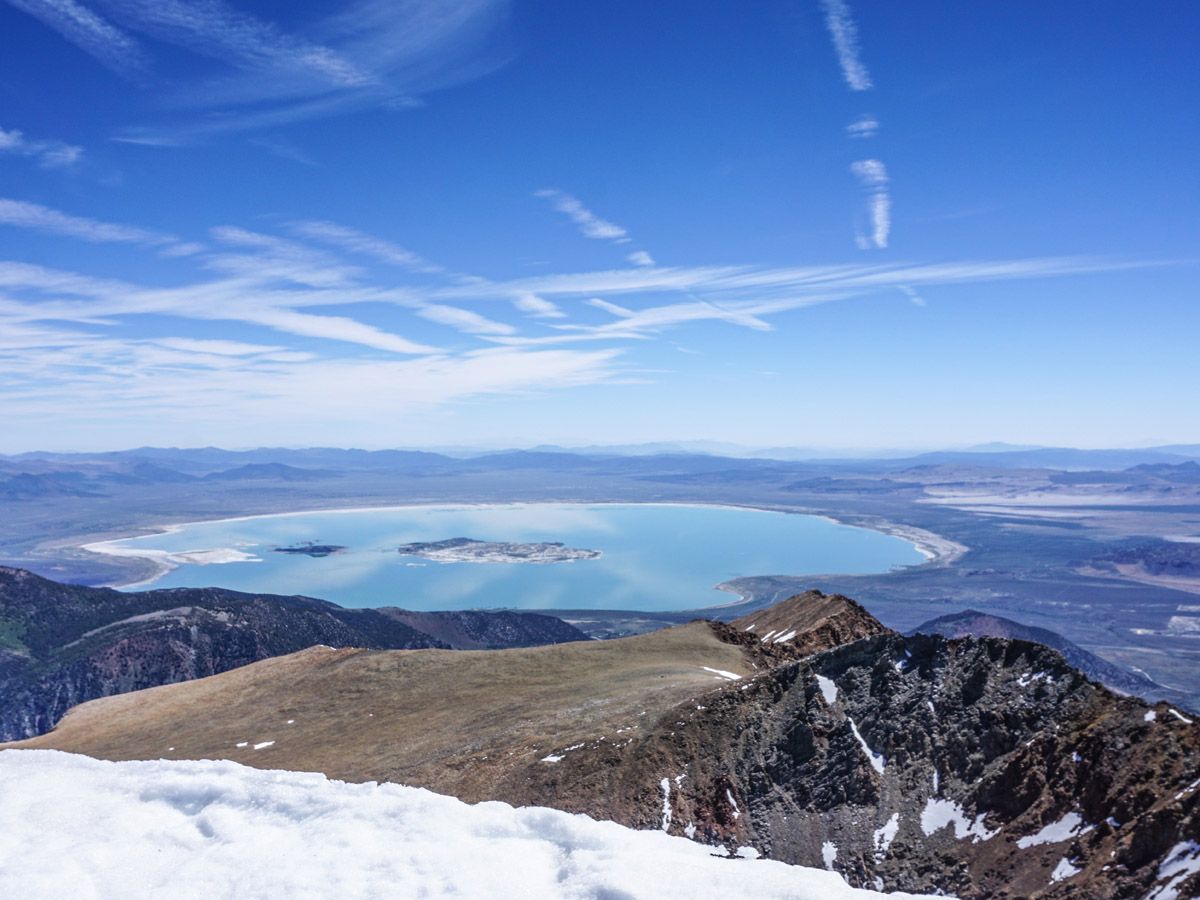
{"x":469,"y":550}
{"x":311,"y":548}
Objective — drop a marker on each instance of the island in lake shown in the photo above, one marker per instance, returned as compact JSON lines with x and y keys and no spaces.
{"x":311,"y":548}
{"x":463,"y":549}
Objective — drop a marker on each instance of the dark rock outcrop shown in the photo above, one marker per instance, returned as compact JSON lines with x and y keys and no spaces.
{"x":488,"y":629}
{"x":61,"y":645}
{"x":983,"y":768}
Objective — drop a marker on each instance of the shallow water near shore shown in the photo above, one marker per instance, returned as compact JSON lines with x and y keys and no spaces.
{"x":652,"y":557}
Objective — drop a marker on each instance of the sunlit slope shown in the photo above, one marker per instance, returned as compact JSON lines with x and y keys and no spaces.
{"x":452,"y":721}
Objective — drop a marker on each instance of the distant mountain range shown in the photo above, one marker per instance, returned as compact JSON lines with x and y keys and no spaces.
{"x":971,"y":623}
{"x":159,"y":464}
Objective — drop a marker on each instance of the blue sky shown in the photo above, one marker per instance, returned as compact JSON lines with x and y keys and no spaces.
{"x":822,"y":223}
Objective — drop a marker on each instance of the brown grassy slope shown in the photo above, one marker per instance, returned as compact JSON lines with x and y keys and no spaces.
{"x":456,"y":722}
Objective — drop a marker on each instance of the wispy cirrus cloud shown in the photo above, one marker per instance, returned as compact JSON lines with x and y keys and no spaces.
{"x":463,"y":320}
{"x":844,"y":33}
{"x":36,"y":217}
{"x":873,"y":176}
{"x":91,"y":32}
{"x":48,"y":154}
{"x":538,"y":307}
{"x":589,"y":224}
{"x":863,"y":127}
{"x":257,"y":73}
{"x":308,"y":328}
{"x":367,"y":245}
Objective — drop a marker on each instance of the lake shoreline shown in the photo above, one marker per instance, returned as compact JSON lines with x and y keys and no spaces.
{"x":154,"y":564}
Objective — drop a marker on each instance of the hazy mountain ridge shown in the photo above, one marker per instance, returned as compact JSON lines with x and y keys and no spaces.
{"x":971,"y":623}
{"x":61,"y":645}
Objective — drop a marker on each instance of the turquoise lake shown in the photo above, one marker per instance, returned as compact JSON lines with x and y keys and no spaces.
{"x":653,"y":557}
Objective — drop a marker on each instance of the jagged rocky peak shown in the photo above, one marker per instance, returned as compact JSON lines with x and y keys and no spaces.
{"x":808,"y":623}
{"x":982,"y":768}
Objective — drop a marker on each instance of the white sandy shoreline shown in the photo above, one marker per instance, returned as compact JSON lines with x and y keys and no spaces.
{"x":936,"y":549}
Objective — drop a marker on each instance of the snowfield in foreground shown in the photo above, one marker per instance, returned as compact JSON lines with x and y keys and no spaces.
{"x":71,"y":826}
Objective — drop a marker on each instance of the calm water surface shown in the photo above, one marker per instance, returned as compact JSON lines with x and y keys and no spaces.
{"x":653,"y":557}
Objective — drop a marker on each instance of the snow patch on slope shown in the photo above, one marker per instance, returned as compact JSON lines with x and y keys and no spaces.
{"x":828,"y":689}
{"x":876,"y":759}
{"x":199,"y":829}
{"x":940,"y":813}
{"x":1064,"y":829}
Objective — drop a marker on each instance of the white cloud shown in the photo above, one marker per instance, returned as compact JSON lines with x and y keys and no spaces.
{"x":917,"y":299}
{"x":590,"y":225}
{"x":41,"y":218}
{"x":238,"y":299}
{"x":277,"y":258}
{"x":49,"y":154}
{"x":872,"y":174}
{"x":533,"y":305}
{"x":68,"y":341}
{"x":219,"y":347}
{"x":253,"y":72}
{"x":186,"y":248}
{"x":463,"y":320}
{"x":364,"y":244}
{"x":863,"y":127}
{"x":619,"y":311}
{"x":640,"y":258}
{"x":81,"y":26}
{"x":844,"y":33}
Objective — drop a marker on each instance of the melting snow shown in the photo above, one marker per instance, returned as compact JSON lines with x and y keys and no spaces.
{"x":876,"y":759}
{"x":1187,"y":790}
{"x":1180,"y":716}
{"x":940,"y":813}
{"x":81,"y":825}
{"x":665,"y":784}
{"x":690,"y":831}
{"x":721,"y":673}
{"x":1064,"y":870}
{"x":1027,"y":679}
{"x":1065,"y":828}
{"x":747,"y":853}
{"x":1150,"y":716}
{"x":243,"y":743}
{"x":729,"y":796}
{"x":785,"y":637}
{"x":263,"y":745}
{"x":1181,"y":862}
{"x":829,"y":853}
{"x":884,"y":835}
{"x":828,"y":689}
{"x":553,"y":758}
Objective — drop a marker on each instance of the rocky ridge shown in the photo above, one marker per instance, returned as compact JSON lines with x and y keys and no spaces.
{"x":62,"y":645}
{"x":985,"y":768}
